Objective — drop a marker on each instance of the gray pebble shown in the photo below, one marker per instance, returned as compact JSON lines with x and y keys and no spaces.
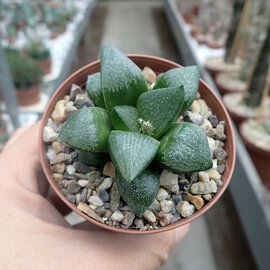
{"x":74,"y":90}
{"x":219,"y":184}
{"x":98,"y":181}
{"x":220,"y":154}
{"x":168,"y":178}
{"x":193,"y":117}
{"x":117,"y":216}
{"x":177,"y":198}
{"x":95,"y":200}
{"x":73,"y":187}
{"x":70,"y":169}
{"x":155,"y":206}
{"x":107,"y":182}
{"x":213,"y":120}
{"x":52,"y":125}
{"x":83,"y":195}
{"x":51,"y":154}
{"x":81,"y":168}
{"x":204,"y":188}
{"x":92,"y":176}
{"x":138,"y":223}
{"x":176,"y":217}
{"x":162,"y":194}
{"x":115,"y":197}
{"x":221,"y":168}
{"x":68,"y":176}
{"x":74,"y":155}
{"x":166,"y":206}
{"x":220,"y":133}
{"x":194,"y":177}
{"x":68,"y":195}
{"x":128,"y":218}
{"x":49,"y":135}
{"x":83,"y":182}
{"x":100,"y":210}
{"x":104,"y":195}
{"x":149,"y":216}
{"x":62,"y":158}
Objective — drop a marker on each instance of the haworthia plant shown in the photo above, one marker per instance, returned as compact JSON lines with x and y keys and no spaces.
{"x":140,"y":118}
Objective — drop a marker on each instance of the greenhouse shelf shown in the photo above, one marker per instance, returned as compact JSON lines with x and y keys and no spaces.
{"x":63,"y":51}
{"x":246,"y":186}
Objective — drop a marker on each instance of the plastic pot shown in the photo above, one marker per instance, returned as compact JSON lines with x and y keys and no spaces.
{"x":28,"y":96}
{"x":158,"y":65}
{"x":259,"y":156}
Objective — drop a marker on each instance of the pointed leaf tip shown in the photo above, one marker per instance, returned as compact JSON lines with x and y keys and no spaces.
{"x":131,"y":152}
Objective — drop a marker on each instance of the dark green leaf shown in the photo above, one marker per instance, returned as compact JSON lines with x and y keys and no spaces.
{"x":94,"y":90}
{"x":185,"y":149}
{"x":141,"y":192}
{"x":125,"y":118}
{"x":131,"y":152}
{"x":122,"y":81}
{"x":161,"y":108}
{"x":87,"y":129}
{"x":188,"y":77}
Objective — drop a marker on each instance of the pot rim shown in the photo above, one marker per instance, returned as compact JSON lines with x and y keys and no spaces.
{"x":181,"y":222}
{"x":251,"y":145}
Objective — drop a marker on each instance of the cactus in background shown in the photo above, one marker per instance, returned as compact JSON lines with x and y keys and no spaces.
{"x":237,"y":11}
{"x":255,"y":33}
{"x":259,"y":76}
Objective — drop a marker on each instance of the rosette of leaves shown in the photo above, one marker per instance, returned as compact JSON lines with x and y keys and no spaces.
{"x":138,"y":127}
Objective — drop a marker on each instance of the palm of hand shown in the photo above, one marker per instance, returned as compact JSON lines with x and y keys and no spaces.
{"x":35,"y":235}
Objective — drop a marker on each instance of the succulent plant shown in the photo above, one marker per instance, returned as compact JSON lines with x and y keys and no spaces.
{"x":25,"y":72}
{"x":37,"y":50}
{"x":138,"y":127}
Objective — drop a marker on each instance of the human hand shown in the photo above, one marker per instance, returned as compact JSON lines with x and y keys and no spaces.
{"x":35,"y":235}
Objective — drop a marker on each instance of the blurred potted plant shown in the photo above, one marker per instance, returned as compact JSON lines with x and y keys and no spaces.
{"x":26,"y":76}
{"x":37,"y":50}
{"x":232,"y":82}
{"x":229,"y":61}
{"x":243,"y":106}
{"x":256,"y":135}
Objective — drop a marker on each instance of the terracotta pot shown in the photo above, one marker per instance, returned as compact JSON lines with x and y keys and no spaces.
{"x":237,"y":117}
{"x":225,"y":88}
{"x":217,"y":65}
{"x":46,"y":65}
{"x":260,"y":157}
{"x":29,"y":96}
{"x":158,"y":65}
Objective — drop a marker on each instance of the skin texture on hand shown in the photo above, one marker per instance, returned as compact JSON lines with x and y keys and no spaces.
{"x":35,"y":235}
